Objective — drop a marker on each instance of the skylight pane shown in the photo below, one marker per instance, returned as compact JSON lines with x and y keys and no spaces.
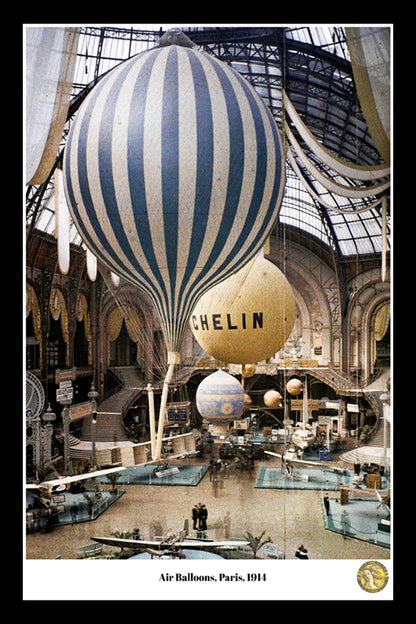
{"x":357,"y":229}
{"x":347,"y":247}
{"x":373,"y":227}
{"x":46,"y":221}
{"x":365,"y":245}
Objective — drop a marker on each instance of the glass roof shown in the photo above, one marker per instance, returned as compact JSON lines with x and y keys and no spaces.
{"x":329,"y":38}
{"x":314,"y":62}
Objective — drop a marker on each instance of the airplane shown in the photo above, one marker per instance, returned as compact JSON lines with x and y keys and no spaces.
{"x":171,"y":546}
{"x":59,"y":484}
{"x":162,"y":468}
{"x":290,"y":457}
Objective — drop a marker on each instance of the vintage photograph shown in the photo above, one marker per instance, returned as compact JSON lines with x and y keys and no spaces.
{"x":207,"y":320}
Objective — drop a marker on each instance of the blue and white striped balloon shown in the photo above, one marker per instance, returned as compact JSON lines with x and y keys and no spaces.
{"x":174,"y":176}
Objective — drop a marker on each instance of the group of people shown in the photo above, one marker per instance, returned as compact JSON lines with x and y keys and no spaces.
{"x":199,"y":517}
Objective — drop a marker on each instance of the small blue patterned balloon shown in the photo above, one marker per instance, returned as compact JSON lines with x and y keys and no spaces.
{"x":220,"y":398}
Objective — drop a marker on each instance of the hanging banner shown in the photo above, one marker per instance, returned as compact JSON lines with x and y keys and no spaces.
{"x":369,"y":49}
{"x":353,"y":407}
{"x":63,"y":223}
{"x":340,"y":189}
{"x":51,"y":55}
{"x":91,"y":265}
{"x":318,"y":198}
{"x":344,"y":168}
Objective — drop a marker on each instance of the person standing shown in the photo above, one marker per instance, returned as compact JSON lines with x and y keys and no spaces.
{"x":74,"y":512}
{"x":301,"y":552}
{"x":211,"y":469}
{"x":326,"y":503}
{"x":227,"y":525}
{"x":203,"y":515}
{"x":215,"y":480}
{"x":195,"y":516}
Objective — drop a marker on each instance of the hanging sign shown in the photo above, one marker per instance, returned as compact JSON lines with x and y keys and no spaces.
{"x":178,"y":412}
{"x":80,"y":410}
{"x":65,"y":374}
{"x":324,"y":420}
{"x":297,"y":404}
{"x":331,"y":405}
{"x":65,"y":395}
{"x":353,"y":407}
{"x":65,"y":384}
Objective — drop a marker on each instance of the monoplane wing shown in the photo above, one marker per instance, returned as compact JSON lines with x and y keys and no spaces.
{"x":161,"y":545}
{"x":203,"y":544}
{"x":128,"y":542}
{"x":274,"y":454}
{"x":53,"y":483}
{"x":363,"y":490}
{"x":297,"y":461}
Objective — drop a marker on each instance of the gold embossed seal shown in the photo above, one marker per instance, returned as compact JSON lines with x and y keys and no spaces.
{"x":372,"y":576}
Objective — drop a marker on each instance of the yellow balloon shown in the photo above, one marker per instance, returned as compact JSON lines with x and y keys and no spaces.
{"x":248,"y":317}
{"x":248,"y":370}
{"x":247,"y":400}
{"x":294,"y":386}
{"x":272,"y":398}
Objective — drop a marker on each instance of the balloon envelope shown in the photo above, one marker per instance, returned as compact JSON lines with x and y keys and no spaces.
{"x":248,"y":370}
{"x":294,"y":386}
{"x":220,"y":397}
{"x":248,"y":317}
{"x":173,"y":175}
{"x":272,"y":398}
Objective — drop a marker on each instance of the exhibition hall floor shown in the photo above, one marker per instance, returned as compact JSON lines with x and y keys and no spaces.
{"x":235,"y":506}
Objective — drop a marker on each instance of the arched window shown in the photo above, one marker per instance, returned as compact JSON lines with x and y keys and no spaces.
{"x":33,"y":331}
{"x":58,"y":339}
{"x":82,"y":338}
{"x":124,"y":338}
